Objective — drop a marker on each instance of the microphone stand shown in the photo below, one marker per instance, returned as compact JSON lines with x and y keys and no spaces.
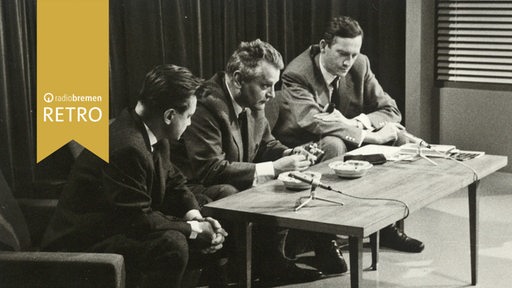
{"x":312,"y":196}
{"x":420,"y":154}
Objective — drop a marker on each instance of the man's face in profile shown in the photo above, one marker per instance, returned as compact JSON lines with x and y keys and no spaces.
{"x":257,"y":91}
{"x":180,"y":121}
{"x":339,"y":57}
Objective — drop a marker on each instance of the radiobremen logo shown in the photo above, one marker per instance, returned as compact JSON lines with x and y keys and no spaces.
{"x":72,"y":79}
{"x":71,"y":113}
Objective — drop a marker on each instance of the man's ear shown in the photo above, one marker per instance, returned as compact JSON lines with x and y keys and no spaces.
{"x":237,"y":79}
{"x":322,"y":44}
{"x":168,"y":115}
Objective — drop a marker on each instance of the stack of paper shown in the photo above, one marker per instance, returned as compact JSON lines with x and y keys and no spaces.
{"x":390,"y":152}
{"x":436,"y":150}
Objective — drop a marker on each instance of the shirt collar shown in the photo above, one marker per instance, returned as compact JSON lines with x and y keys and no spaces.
{"x":328,"y":77}
{"x":238,"y":109}
{"x":151,"y":136}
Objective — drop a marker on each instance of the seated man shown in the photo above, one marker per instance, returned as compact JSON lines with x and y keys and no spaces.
{"x":229,"y":142}
{"x":137,"y":205}
{"x":332,"y":96}
{"x":204,"y":194}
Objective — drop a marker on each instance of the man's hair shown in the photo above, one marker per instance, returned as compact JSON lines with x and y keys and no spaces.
{"x":249,"y":54}
{"x":168,"y":86}
{"x":344,"y":27}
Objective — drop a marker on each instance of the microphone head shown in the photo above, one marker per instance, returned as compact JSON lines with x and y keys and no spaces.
{"x":296,"y":180}
{"x":300,"y":176}
{"x":425,"y":144}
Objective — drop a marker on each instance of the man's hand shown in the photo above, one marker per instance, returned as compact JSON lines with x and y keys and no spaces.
{"x":214,"y":235}
{"x":335,"y":116}
{"x":300,"y":150}
{"x":389,"y":132}
{"x":294,"y":162}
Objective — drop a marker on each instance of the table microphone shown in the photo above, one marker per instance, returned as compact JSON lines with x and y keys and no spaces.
{"x":310,"y":180}
{"x":415,"y":139}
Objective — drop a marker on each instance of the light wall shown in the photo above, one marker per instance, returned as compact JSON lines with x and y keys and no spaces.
{"x":477,"y":120}
{"x":471,"y":119}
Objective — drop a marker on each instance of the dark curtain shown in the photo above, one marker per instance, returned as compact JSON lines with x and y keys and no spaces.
{"x":17,"y":87}
{"x":202,"y":34}
{"x":198,"y":34}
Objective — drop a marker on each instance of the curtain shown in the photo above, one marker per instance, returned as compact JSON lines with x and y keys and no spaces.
{"x":17,"y":86}
{"x":202,"y":34}
{"x":198,"y":34}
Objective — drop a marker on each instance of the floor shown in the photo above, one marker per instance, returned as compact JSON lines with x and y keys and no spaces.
{"x":444,"y":228}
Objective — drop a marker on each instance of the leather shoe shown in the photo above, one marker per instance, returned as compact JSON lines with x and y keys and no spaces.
{"x":330,"y":259}
{"x":288,"y":272}
{"x":393,"y":238}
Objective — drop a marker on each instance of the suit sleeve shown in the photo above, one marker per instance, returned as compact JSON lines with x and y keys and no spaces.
{"x":204,"y":139}
{"x":379,"y":106}
{"x":304,"y":105}
{"x":125,"y":182}
{"x":270,"y":149}
{"x":178,"y":199}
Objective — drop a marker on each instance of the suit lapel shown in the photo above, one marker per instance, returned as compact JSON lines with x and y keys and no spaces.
{"x":321,"y":90}
{"x":162,"y":165}
{"x":161,"y":160}
{"x":233,"y":118}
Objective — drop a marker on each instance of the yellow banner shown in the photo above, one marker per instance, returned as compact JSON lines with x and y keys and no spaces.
{"x":72,"y":75}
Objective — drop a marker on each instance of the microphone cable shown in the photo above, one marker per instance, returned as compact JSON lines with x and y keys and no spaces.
{"x":317,"y":183}
{"x":406,"y":214}
{"x":475,"y":174}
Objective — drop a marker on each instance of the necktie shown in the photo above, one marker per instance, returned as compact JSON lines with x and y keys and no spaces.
{"x":159,"y":178}
{"x":242,"y":121}
{"x":156,"y":155}
{"x":335,"y":95}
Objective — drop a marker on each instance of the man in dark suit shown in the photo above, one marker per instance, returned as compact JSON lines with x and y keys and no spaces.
{"x":364,"y":112}
{"x":335,"y":74}
{"x":230,"y":142}
{"x":137,"y":205}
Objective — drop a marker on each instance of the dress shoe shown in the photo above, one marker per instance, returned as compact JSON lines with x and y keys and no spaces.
{"x":330,"y":260}
{"x":393,"y":238}
{"x":288,"y":272}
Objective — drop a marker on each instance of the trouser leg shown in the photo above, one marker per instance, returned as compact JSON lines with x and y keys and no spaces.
{"x":157,"y":259}
{"x":332,"y":146}
{"x":207,"y":194}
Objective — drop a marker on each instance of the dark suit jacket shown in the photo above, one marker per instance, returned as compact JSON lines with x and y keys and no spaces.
{"x":305,"y":94}
{"x":129,"y":195}
{"x":214,"y":139}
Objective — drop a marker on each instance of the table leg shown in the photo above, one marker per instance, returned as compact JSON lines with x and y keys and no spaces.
{"x":244,"y":251}
{"x":374,"y":246}
{"x":473,"y":229}
{"x":355,"y":246}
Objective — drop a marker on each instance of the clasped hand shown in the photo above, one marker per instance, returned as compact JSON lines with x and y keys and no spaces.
{"x":212,"y":233}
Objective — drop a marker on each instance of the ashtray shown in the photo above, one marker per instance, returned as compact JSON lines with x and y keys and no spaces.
{"x":350,"y":168}
{"x":294,"y":184}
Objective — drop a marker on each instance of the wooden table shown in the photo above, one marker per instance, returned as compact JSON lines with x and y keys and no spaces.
{"x":416,"y":183}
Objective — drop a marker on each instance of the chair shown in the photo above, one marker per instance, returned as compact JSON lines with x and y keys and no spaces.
{"x":21,"y":265}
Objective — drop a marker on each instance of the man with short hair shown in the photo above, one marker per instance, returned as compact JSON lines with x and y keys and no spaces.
{"x":137,"y":205}
{"x":332,"y":97}
{"x":230,"y":142}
